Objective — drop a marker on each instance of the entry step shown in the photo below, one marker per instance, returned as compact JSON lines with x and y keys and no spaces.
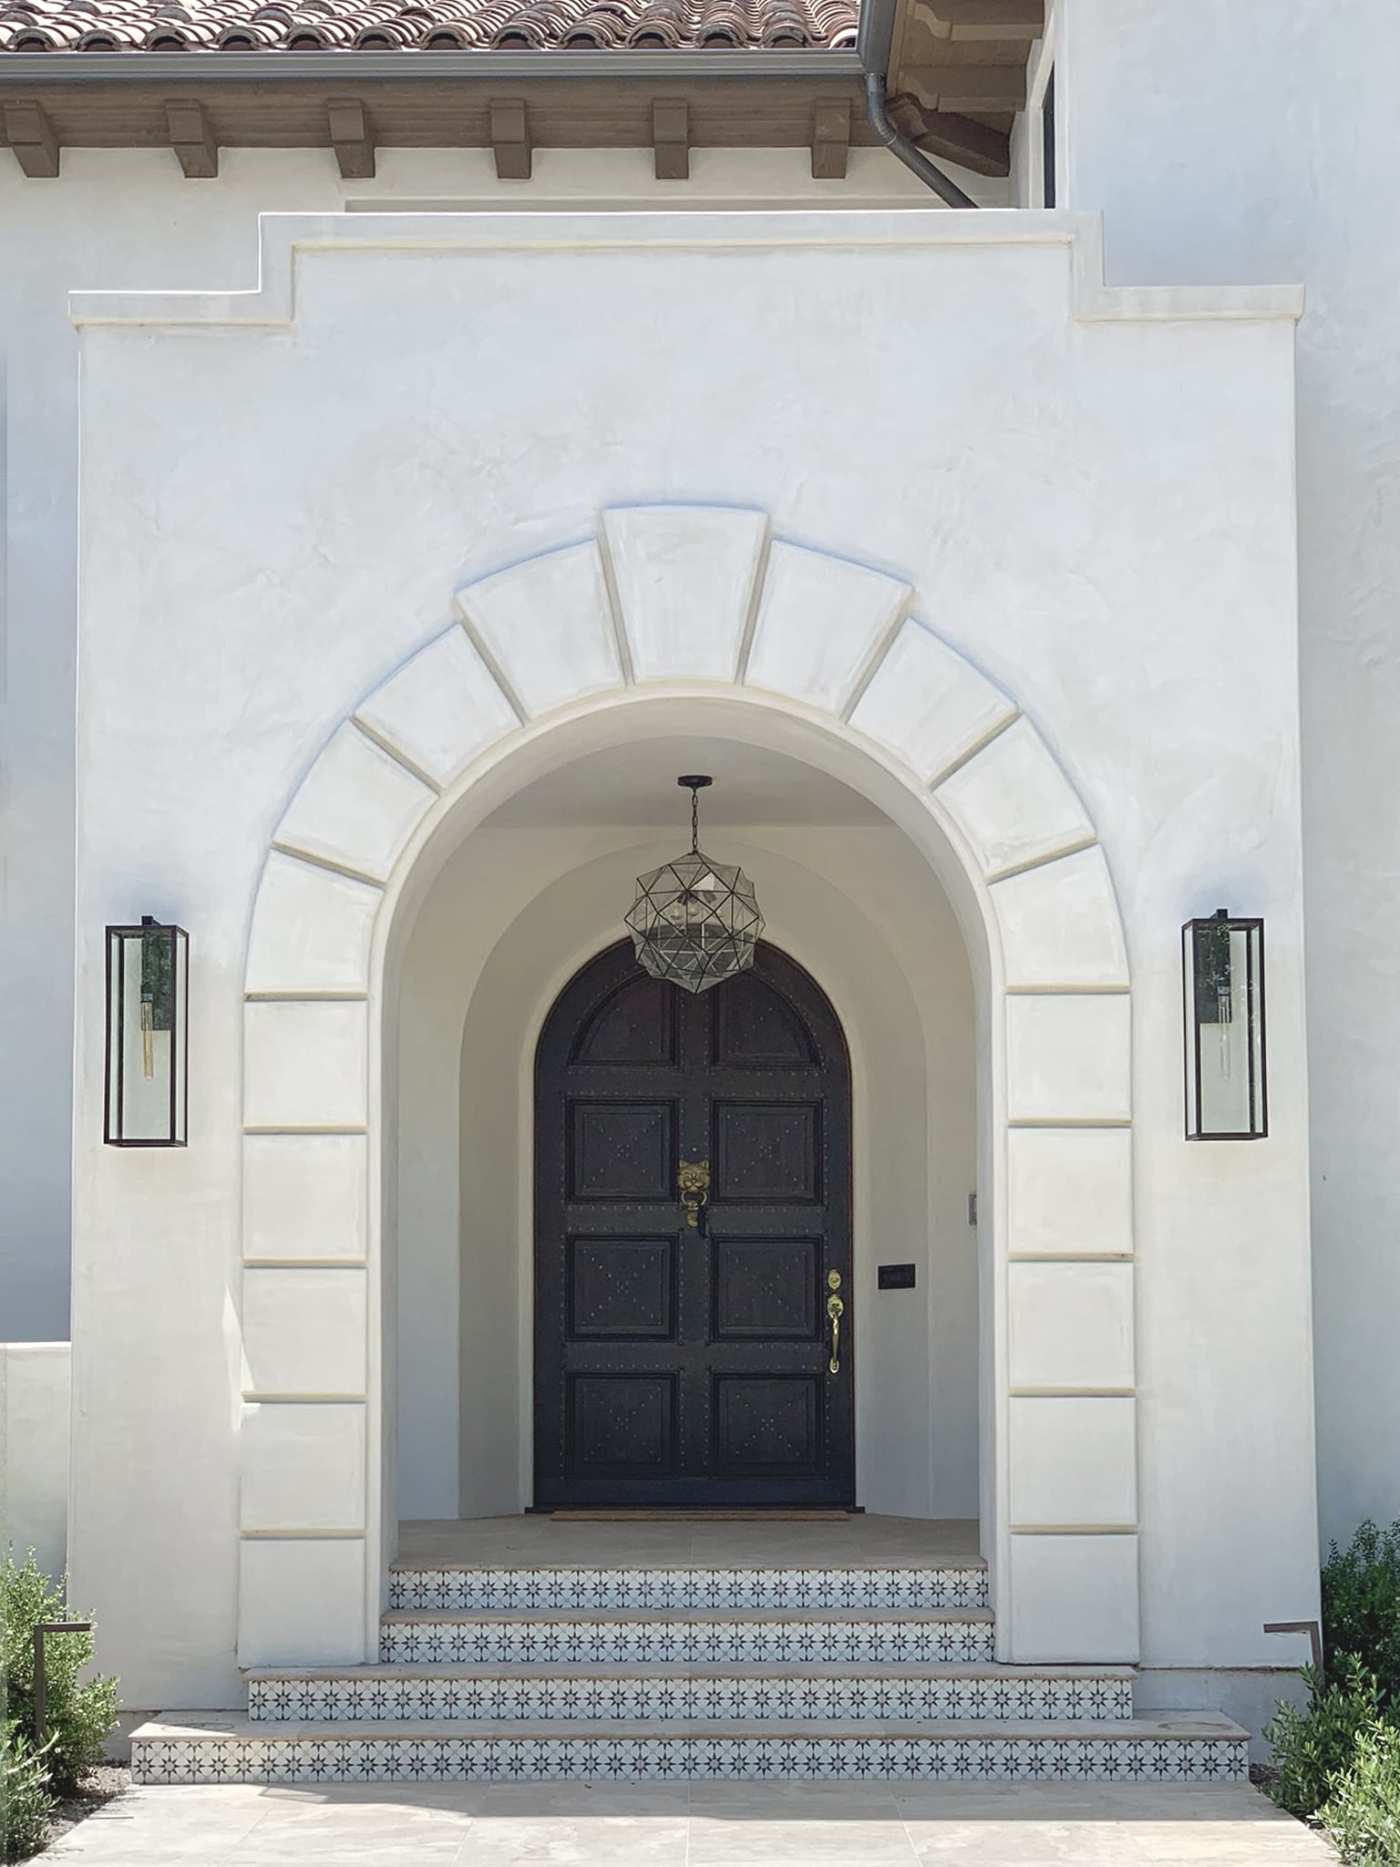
{"x":201,"y":1747}
{"x":669,"y":1694}
{"x":459,"y":1586}
{"x":699,"y":1637}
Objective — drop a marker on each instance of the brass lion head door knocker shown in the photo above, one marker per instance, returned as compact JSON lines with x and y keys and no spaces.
{"x":693,"y":1180}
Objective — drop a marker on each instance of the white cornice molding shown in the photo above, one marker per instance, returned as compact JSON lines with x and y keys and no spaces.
{"x":283,"y":236}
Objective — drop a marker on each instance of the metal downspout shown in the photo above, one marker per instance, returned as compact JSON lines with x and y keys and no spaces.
{"x":911,"y":156}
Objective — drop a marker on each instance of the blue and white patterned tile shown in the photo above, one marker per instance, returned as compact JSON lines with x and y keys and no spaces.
{"x":424,"y":1590}
{"x":626,"y":1759}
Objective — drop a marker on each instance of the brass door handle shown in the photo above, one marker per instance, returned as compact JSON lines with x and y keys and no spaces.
{"x":693,"y":1183}
{"x":835,"y":1310}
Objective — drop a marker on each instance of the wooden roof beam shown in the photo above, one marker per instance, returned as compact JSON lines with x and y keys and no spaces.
{"x":831,"y":139}
{"x":981,"y":21}
{"x":966,"y":87}
{"x":510,"y":139}
{"x":953,"y":138}
{"x":351,"y":137}
{"x":30,"y":134}
{"x":670,"y":139}
{"x":191,"y":138}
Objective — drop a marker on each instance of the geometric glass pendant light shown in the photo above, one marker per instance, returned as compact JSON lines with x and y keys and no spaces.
{"x":695,"y":921}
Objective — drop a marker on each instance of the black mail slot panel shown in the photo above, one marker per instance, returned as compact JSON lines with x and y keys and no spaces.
{"x":896,"y":1276}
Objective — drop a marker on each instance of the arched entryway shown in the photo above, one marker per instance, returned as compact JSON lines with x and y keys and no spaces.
{"x":669,"y":616}
{"x":688,"y":1330}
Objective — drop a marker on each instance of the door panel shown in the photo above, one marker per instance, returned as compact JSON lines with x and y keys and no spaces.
{"x":622,"y":1151}
{"x":766,"y":1289}
{"x":679,"y":1363}
{"x":768,"y":1425}
{"x":622,"y":1289}
{"x":622,"y":1424}
{"x":766,"y":1153}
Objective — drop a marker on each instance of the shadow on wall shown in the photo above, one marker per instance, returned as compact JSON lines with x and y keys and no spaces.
{"x":34,"y":1405}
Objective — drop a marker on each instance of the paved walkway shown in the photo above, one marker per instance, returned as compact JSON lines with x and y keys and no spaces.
{"x":703,"y":1825}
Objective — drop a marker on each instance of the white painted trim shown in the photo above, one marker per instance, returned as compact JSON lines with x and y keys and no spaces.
{"x":281,"y":237}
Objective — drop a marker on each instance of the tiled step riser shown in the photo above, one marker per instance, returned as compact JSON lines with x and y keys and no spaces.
{"x":1006,"y":1759}
{"x":699,"y":1643}
{"x":540,"y":1701}
{"x":504,"y":1590}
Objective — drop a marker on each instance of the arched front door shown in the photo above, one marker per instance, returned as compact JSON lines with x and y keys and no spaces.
{"x":684,"y":1351}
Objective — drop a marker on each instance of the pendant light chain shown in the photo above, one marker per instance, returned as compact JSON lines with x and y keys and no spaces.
{"x":694,"y":821}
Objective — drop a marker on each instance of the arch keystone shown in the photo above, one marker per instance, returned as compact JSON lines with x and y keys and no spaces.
{"x":547,"y":625}
{"x":822,"y":624}
{"x":684,"y":577}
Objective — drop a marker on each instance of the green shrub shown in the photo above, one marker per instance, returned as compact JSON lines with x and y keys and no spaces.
{"x":77,"y":1716}
{"x":25,"y":1801}
{"x":1317,"y":1743}
{"x":1361,"y":1605}
{"x":1362,"y":1814}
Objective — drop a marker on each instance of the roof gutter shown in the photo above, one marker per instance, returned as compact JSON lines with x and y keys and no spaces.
{"x":869,"y":62}
{"x":873,"y":44}
{"x":345,"y":67}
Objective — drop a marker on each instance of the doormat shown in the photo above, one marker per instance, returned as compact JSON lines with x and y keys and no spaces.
{"x":702,"y":1516}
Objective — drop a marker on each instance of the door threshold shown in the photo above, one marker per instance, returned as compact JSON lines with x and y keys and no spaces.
{"x":683,"y":1513}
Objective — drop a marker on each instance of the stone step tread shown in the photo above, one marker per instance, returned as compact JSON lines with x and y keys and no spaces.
{"x":992,"y":1670}
{"x":176,"y":1726}
{"x":657,"y":1617}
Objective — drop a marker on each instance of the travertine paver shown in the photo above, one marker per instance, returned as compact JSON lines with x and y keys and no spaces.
{"x":717,"y":1824}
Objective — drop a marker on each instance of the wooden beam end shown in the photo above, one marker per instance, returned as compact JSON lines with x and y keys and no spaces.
{"x":30,"y":134}
{"x":192,"y":139}
{"x":351,"y":138}
{"x":831,"y":139}
{"x":670,"y":139}
{"x":510,"y":139}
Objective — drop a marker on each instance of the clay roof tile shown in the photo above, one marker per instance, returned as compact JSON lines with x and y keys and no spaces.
{"x":429,"y":25}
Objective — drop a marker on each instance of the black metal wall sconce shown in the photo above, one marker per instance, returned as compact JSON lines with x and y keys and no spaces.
{"x":1222,"y":969}
{"x":147,"y":1086}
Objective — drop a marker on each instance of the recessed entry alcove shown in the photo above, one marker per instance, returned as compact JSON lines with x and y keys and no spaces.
{"x":520,"y":921}
{"x":465,"y":842}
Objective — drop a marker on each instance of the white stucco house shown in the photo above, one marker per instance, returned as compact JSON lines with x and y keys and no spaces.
{"x":967,"y":434}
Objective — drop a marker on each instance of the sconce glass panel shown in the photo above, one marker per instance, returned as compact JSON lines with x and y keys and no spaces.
{"x":1227,"y":1092}
{"x":147,"y":1087}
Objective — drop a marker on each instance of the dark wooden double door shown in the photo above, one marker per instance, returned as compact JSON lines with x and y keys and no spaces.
{"x":680,"y":1364}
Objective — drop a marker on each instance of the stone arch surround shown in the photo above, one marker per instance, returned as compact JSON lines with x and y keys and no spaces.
{"x":693,"y":601}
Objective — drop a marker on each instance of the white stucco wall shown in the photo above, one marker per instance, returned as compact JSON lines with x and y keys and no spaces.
{"x":1095,"y":509}
{"x":1245,"y":141}
{"x":128,"y":218}
{"x":896,"y":970}
{"x":34,"y":1395}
